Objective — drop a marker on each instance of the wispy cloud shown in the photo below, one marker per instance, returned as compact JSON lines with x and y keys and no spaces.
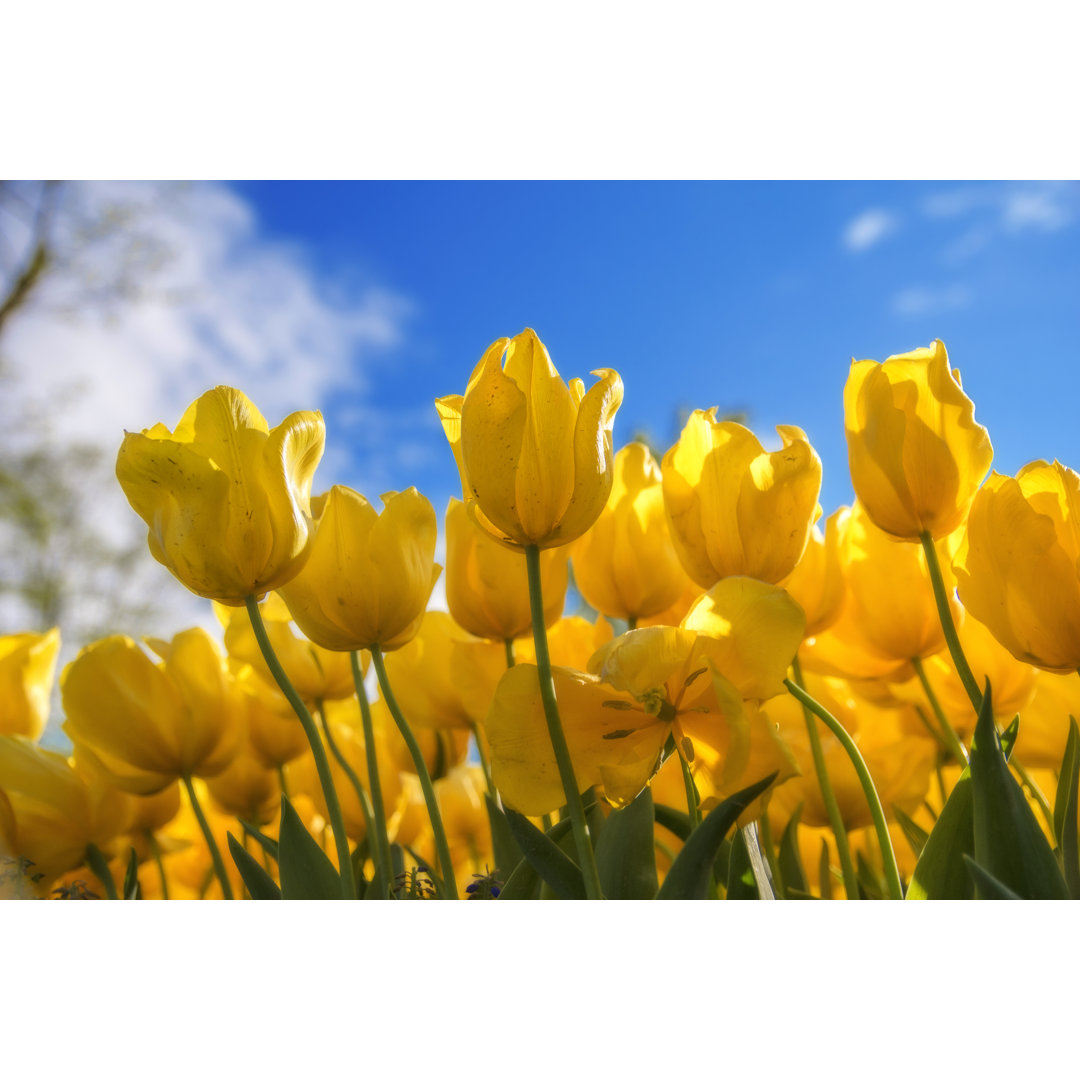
{"x":869,"y":228}
{"x":928,"y":300}
{"x":992,"y":212}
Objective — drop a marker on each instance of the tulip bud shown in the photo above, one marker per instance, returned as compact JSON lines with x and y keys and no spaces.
{"x":487,"y":586}
{"x":917,"y":456}
{"x":733,"y":507}
{"x":370,"y":575}
{"x":535,"y":455}
{"x":27,"y":667}
{"x":1016,"y":568}
{"x":225,"y":497}
{"x":626,"y":565}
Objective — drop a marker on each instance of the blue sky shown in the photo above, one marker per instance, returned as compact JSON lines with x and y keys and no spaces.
{"x":750,"y":296}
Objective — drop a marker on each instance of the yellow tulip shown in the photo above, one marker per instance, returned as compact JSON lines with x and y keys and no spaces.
{"x":27,"y":667}
{"x":889,"y":615}
{"x":614,"y":743}
{"x":369,"y":575}
{"x":917,"y":456}
{"x":626,"y":565}
{"x":487,"y":588}
{"x":817,"y":582}
{"x":1044,"y":723}
{"x":317,"y":674}
{"x":1017,"y":566}
{"x":58,"y":808}
{"x":426,"y":681}
{"x":751,"y":631}
{"x":535,"y":455}
{"x":699,"y":683}
{"x":246,"y":789}
{"x":733,"y":507}
{"x":224,"y":496}
{"x":275,"y":734}
{"x":149,"y":724}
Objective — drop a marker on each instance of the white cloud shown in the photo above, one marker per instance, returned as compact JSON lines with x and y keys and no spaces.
{"x":925,"y":300}
{"x":996,"y":210}
{"x":869,"y":228}
{"x":1044,"y":207}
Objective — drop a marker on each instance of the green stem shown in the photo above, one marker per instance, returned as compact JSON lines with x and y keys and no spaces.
{"x":211,"y":843}
{"x":586,"y":856}
{"x":155,"y":850}
{"x":381,"y":841}
{"x":442,"y":848}
{"x":881,"y":828}
{"x":509,"y":645}
{"x":952,"y":740}
{"x":631,"y":622}
{"x":322,"y":764}
{"x":281,"y":780}
{"x":693,"y":807}
{"x":963,"y":669}
{"x":832,"y":808}
{"x":100,"y":865}
{"x":485,"y":765}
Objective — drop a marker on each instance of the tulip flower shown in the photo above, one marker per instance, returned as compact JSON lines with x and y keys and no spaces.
{"x":225,"y":497}
{"x":58,"y":808}
{"x":535,"y":455}
{"x":27,"y":667}
{"x":1044,"y":724}
{"x":369,"y":575}
{"x":487,"y":588}
{"x":149,"y":724}
{"x":917,"y":456}
{"x":626,"y":565}
{"x":889,"y":615}
{"x":1016,"y":568}
{"x":735,"y":508}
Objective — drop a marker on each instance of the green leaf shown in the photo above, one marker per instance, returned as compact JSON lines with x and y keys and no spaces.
{"x":1065,"y":810}
{"x":1008,"y":737}
{"x":132,"y":889}
{"x":676,"y":821}
{"x":825,"y":872}
{"x":989,"y":887}
{"x":259,"y":883}
{"x":505,"y":850}
{"x":265,"y":842}
{"x":1009,"y":845}
{"x":939,"y":874}
{"x":625,"y":855}
{"x":691,"y":873}
{"x":915,"y":833}
{"x":546,"y":858}
{"x":869,"y":881}
{"x":741,"y":884}
{"x":306,"y":871}
{"x":791,"y":867}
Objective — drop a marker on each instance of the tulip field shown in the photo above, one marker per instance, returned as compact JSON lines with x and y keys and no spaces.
{"x":761,"y":701}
